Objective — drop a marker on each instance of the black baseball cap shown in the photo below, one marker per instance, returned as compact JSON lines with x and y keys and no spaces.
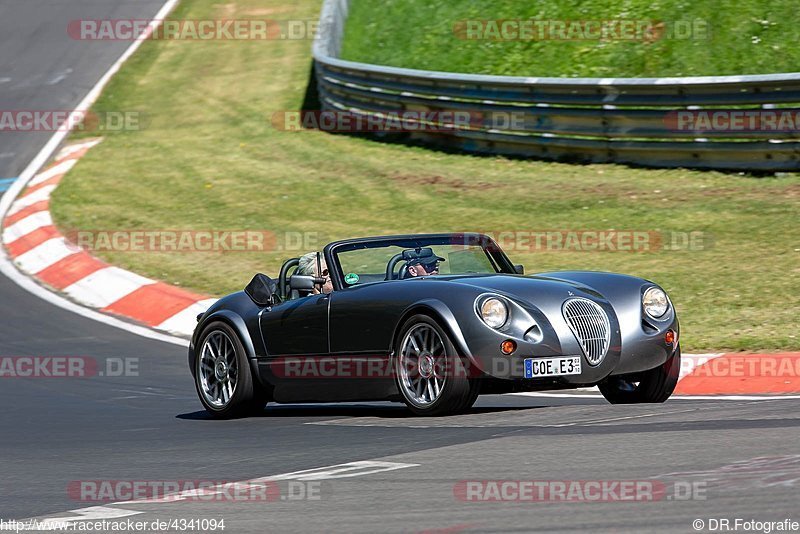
{"x":426,"y":260}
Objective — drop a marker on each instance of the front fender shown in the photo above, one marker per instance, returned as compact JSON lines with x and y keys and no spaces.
{"x":439,"y":310}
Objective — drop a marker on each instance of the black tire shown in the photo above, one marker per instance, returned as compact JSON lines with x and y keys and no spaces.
{"x":246,"y":398}
{"x":474,"y":391}
{"x":654,"y":386}
{"x":455,"y":392}
{"x":260,"y":400}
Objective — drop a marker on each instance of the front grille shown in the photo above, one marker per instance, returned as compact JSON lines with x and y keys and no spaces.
{"x":590,"y":325}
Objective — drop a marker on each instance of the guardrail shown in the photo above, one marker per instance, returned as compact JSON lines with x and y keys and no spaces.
{"x":611,"y":120}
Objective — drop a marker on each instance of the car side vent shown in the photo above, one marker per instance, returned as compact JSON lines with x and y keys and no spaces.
{"x":591,"y":327}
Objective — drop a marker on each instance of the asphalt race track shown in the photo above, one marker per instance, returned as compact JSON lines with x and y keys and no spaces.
{"x":741,"y":459}
{"x":41,"y":68}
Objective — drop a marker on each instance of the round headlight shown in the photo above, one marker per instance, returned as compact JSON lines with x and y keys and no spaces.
{"x":494,"y":312}
{"x":655,"y":302}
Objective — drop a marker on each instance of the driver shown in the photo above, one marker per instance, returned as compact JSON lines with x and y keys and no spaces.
{"x":313,"y":264}
{"x":424,"y":266}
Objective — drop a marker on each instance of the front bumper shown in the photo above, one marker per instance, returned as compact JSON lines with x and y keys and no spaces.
{"x":632,"y":348}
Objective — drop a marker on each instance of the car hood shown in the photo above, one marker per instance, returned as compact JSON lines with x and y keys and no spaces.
{"x":534,"y":288}
{"x":544,"y":290}
{"x":548,"y":291}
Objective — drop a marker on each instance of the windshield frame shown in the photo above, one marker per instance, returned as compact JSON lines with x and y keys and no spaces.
{"x":490,"y":248}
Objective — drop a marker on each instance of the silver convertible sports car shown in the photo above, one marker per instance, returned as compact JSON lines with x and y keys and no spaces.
{"x":432,"y":321}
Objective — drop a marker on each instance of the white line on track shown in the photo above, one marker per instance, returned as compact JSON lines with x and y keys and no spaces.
{"x":347,"y":470}
{"x":11,"y":272}
{"x":92,"y":513}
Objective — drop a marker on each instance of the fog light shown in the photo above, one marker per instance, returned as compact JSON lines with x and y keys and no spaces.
{"x":670,"y":337}
{"x":508,"y":346}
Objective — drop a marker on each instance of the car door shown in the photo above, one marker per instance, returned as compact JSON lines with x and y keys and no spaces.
{"x":361,"y":325}
{"x":363,"y":319}
{"x":297,"y":327}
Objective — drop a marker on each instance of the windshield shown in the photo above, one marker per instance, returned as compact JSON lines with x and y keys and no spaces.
{"x":400,"y":259}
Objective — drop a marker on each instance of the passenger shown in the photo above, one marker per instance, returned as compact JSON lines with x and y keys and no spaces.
{"x":313,"y":264}
{"x":425,"y":266}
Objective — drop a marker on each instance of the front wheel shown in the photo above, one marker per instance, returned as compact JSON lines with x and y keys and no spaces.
{"x":655,"y":385}
{"x":430,"y":376}
{"x":222,"y":374}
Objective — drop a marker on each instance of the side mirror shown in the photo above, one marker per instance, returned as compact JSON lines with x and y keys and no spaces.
{"x":304,"y":283}
{"x":519,"y":269}
{"x":262,"y":289}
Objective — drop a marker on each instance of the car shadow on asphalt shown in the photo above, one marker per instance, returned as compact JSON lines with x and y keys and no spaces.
{"x":383,"y":411}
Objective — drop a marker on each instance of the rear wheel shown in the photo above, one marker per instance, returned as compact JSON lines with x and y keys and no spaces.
{"x":430,"y":376}
{"x":222,"y":374}
{"x":655,"y":385}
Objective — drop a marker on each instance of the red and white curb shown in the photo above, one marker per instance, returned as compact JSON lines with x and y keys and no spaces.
{"x":38,"y":249}
{"x":740,"y":374}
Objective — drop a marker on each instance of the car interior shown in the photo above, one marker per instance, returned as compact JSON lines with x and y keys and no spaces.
{"x":396,"y":269}
{"x":290,"y":266}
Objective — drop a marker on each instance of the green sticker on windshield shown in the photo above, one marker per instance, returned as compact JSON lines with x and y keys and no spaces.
{"x":351,"y":278}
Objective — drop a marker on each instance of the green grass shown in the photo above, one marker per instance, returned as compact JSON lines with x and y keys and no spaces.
{"x":210,"y":159}
{"x":746,"y":37}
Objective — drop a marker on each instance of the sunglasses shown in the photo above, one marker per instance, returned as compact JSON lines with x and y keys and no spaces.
{"x":430,"y":267}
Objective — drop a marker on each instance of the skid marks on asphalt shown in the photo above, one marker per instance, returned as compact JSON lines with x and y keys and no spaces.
{"x":579,"y":412}
{"x":508,"y":417}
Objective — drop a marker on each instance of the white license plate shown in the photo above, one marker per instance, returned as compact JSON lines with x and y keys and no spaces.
{"x":562,"y":366}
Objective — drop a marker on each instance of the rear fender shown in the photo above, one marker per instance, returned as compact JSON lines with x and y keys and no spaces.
{"x":238,"y":324}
